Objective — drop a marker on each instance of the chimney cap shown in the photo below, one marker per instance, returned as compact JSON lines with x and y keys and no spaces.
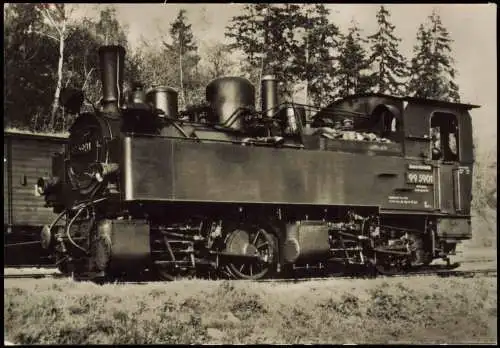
{"x":161,"y":88}
{"x":268,"y":77}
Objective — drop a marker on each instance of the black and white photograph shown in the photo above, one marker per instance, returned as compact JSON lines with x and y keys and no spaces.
{"x":250,"y":173}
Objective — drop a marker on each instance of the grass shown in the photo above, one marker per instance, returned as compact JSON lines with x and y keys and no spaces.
{"x":391,"y":310}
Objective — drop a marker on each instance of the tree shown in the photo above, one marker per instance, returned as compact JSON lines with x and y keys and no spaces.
{"x":388,"y":64}
{"x":260,"y":33}
{"x":29,"y":64}
{"x":293,"y":42}
{"x":156,"y":67}
{"x":33,"y":32}
{"x":56,"y":17}
{"x":484,"y":197}
{"x":218,"y":60}
{"x":108,"y":29}
{"x":432,"y":73}
{"x":314,"y":54}
{"x":420,"y":71}
{"x":352,"y":76}
{"x":83,"y":60}
{"x":184,"y":49}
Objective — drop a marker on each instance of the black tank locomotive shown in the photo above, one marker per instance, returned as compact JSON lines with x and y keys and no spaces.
{"x":224,"y":188}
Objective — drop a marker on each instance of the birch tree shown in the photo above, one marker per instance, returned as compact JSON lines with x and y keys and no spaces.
{"x":56,"y":17}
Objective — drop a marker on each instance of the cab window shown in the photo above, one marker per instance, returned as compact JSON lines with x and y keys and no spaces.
{"x":444,"y":137}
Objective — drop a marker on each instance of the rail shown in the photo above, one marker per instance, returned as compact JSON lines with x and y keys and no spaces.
{"x":440,"y":271}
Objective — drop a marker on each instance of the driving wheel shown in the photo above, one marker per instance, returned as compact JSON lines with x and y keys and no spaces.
{"x":251,"y":242}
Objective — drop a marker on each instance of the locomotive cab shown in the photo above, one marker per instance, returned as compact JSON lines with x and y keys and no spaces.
{"x":440,"y":135}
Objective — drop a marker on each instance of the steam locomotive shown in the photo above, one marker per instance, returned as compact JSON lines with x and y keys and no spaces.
{"x":373,"y":181}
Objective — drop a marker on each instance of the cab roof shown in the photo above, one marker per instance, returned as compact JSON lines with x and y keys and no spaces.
{"x":416,"y":100}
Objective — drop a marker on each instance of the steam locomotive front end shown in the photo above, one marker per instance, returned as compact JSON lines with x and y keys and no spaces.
{"x":85,"y":184}
{"x":86,"y":171}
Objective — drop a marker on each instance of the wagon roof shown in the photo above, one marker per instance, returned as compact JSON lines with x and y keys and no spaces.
{"x":19,"y":133}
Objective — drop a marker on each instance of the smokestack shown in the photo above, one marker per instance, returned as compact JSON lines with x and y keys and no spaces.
{"x":269,"y":95}
{"x":111,"y":59}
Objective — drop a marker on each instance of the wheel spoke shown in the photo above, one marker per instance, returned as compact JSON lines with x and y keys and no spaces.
{"x":261,"y":245}
{"x":258,"y":243}
{"x":256,"y":236}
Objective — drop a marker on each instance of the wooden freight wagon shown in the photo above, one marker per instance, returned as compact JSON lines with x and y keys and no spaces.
{"x":27,"y":156}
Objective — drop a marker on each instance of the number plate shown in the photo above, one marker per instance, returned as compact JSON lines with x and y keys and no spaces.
{"x":420,"y":178}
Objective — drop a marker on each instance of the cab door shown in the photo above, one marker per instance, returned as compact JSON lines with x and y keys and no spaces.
{"x":454,"y":180}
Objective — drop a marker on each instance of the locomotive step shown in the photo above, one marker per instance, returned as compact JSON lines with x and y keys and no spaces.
{"x":180,"y":235}
{"x":346,"y":249}
{"x":165,"y":262}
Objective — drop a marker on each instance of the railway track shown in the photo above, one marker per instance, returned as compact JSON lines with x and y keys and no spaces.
{"x":34,"y":276}
{"x":441,"y":272}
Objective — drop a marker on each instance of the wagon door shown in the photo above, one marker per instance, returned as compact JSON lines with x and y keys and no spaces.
{"x":454,"y":181}
{"x":7,"y":185}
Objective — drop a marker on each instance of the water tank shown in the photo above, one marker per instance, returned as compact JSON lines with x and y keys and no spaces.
{"x":164,"y":99}
{"x":226,"y":94}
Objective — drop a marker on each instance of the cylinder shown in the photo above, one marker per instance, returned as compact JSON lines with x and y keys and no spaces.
{"x":269,"y":95}
{"x":306,"y":240}
{"x":164,"y":100}
{"x":226,"y":95}
{"x":111,"y":60}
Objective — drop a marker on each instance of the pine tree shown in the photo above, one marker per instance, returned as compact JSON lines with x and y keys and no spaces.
{"x":293,"y":42}
{"x":352,"y":77}
{"x":444,"y":71}
{"x":184,"y":48}
{"x":421,"y":73}
{"x":260,"y":33}
{"x":313,"y":58}
{"x":389,"y":65}
{"x":108,"y":29}
{"x":432,"y":71}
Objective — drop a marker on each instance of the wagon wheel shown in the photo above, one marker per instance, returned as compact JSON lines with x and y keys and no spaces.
{"x":246,"y":241}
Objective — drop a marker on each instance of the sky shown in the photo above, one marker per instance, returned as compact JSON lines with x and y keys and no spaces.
{"x":471,"y":26}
